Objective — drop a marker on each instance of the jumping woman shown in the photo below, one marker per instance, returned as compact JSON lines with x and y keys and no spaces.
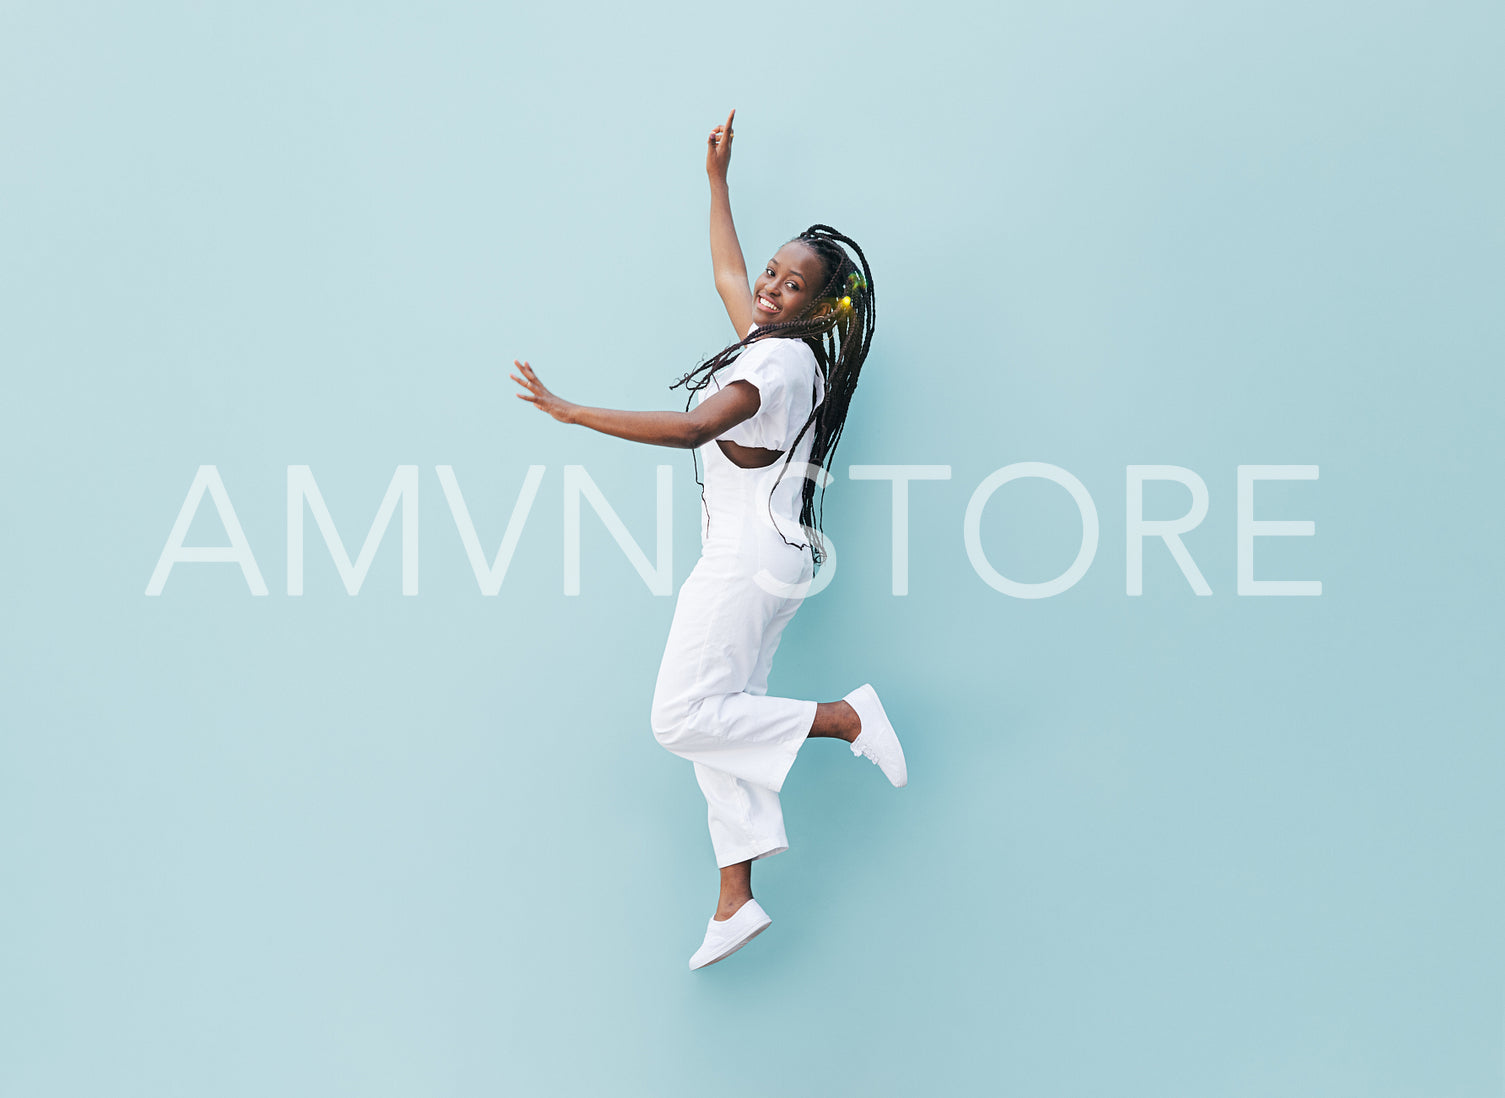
{"x":769,"y":413}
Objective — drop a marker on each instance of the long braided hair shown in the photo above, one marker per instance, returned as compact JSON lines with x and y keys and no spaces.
{"x":839,"y":337}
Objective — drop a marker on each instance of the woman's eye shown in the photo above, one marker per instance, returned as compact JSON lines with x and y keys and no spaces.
{"x":793,"y":286}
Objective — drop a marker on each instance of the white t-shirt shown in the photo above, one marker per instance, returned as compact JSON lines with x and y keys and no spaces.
{"x":789,"y":385}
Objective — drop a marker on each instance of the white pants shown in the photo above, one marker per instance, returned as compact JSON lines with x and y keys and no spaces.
{"x":711,"y":702}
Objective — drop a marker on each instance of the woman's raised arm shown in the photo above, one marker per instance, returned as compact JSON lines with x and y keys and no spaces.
{"x":726,"y":253}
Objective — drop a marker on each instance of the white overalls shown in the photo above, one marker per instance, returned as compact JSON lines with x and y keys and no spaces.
{"x":711,"y":702}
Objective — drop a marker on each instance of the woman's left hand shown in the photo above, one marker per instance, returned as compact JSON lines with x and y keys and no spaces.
{"x":539,"y":396}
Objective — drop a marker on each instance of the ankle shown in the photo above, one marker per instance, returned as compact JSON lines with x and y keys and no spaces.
{"x":730,"y":905}
{"x":852,"y":723}
{"x":836,"y":720}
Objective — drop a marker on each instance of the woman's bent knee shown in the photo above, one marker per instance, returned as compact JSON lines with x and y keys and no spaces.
{"x":668,"y":719}
{"x":676,"y":720}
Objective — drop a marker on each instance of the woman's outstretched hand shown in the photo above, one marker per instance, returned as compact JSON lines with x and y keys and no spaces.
{"x":718,"y":153}
{"x":539,"y":396}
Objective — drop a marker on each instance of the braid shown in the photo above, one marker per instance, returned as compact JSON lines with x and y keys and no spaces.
{"x":839,"y":339}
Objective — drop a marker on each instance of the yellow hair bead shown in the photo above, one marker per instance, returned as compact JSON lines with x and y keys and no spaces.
{"x":844,"y":304}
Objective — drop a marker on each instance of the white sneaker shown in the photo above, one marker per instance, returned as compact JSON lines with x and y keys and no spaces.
{"x":878,"y":740}
{"x":725,"y":938}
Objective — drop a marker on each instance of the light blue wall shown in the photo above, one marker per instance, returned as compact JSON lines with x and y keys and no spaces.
{"x":384,"y":845}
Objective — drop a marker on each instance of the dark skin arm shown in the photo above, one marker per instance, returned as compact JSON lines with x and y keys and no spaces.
{"x":714,"y":416}
{"x":721,"y":411}
{"x":726,"y":253}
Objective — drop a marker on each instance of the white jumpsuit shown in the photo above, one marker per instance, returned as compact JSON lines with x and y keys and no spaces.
{"x":711,"y":703}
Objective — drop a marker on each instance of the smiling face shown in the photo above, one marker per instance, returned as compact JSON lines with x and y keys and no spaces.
{"x":792,"y":277}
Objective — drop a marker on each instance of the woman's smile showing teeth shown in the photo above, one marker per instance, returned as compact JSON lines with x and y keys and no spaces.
{"x":786,"y":275}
